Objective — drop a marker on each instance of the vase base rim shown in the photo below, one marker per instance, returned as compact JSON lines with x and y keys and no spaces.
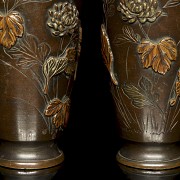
{"x":30,"y":155}
{"x":36,"y":164}
{"x":148,"y":156}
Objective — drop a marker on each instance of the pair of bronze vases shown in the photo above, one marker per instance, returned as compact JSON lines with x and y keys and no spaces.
{"x":40,"y":46}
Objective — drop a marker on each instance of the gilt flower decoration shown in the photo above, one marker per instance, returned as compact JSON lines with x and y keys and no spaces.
{"x":139,"y":10}
{"x":63,"y":18}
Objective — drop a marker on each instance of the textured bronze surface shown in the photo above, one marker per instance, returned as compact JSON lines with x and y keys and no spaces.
{"x":142,"y":38}
{"x":40,"y":42}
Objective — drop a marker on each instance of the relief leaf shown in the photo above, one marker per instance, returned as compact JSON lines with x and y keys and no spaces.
{"x":158,"y":55}
{"x":138,"y":97}
{"x":58,"y":120}
{"x":53,"y":107}
{"x":11,"y":27}
{"x":53,"y":66}
{"x":107,"y":54}
{"x":71,"y":68}
{"x":178,"y":88}
{"x":172,"y":3}
{"x":61,"y":118}
{"x":56,"y":65}
{"x":29,"y":52}
{"x":59,"y":109}
{"x":176,"y":95}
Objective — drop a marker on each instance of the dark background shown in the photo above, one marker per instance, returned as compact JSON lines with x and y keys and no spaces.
{"x":90,"y":141}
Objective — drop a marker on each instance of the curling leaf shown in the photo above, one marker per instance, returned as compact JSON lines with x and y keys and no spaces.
{"x":11,"y":27}
{"x":52,"y":67}
{"x":53,"y":107}
{"x":158,"y":55}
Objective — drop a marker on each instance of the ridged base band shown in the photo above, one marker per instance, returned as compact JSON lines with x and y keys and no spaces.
{"x":30,"y":155}
{"x":146,"y":174}
{"x":154,"y":156}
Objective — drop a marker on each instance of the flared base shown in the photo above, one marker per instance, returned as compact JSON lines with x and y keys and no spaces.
{"x":145,"y":174}
{"x":30,"y":155}
{"x":154,"y":156}
{"x":31,"y":174}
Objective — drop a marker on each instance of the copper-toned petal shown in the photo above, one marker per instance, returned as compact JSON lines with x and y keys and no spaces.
{"x":11,"y":27}
{"x":158,"y":55}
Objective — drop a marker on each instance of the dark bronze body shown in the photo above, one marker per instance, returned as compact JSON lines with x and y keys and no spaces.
{"x":140,"y":45}
{"x":40,"y":46}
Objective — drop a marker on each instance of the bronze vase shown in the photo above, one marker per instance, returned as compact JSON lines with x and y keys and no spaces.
{"x":39,"y":49}
{"x":141,"y":49}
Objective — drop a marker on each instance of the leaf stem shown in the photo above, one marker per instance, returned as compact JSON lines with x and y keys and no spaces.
{"x":57,"y":86}
{"x":68,"y":86}
{"x":71,"y":38}
{"x":127,"y":63}
{"x":5,"y":10}
{"x":142,"y":30}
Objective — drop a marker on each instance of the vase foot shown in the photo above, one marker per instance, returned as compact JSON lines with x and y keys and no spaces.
{"x":146,"y":174}
{"x":31,"y":174}
{"x":30,"y":155}
{"x":155,"y":156}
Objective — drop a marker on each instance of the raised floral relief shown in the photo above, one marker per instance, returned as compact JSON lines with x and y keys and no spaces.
{"x":63,"y":21}
{"x":11,"y":27}
{"x":59,"y":109}
{"x":30,"y":52}
{"x":63,"y":18}
{"x":107,"y":54}
{"x":139,"y":10}
{"x":158,"y":55}
{"x":56,"y":65}
{"x":155,"y":55}
{"x":35,"y":62}
{"x":11,"y":22}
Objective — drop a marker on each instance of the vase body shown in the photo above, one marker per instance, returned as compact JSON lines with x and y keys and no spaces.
{"x":39,"y":50}
{"x":140,"y":45}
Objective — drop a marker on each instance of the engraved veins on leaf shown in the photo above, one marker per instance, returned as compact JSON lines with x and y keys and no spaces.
{"x":59,"y":109}
{"x":10,"y":28}
{"x":56,"y":65}
{"x":140,"y":96}
{"x":29,"y":51}
{"x":172,"y":3}
{"x":158,"y":55}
